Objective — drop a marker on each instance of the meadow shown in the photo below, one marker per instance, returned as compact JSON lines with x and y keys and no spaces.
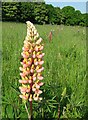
{"x":64,"y":73}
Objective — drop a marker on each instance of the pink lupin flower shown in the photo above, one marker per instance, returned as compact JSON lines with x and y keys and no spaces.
{"x":25,"y":65}
{"x":25,"y":48}
{"x":40,"y":83}
{"x":25,"y":54}
{"x":40,"y":55}
{"x":34,"y":54}
{"x":40,"y":62}
{"x":22,"y":74}
{"x":31,"y":69}
{"x":39,"y":41}
{"x":37,"y":91}
{"x":36,"y":97}
{"x":23,"y":81}
{"x":24,"y":97}
{"x":36,"y":48}
{"x":30,"y":98}
{"x":34,"y":77}
{"x":40,"y":77}
{"x":24,"y":89}
{"x":41,"y":48}
{"x":40,"y":70}
{"x":35,"y":62}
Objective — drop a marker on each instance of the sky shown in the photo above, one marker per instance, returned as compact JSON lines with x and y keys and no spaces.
{"x":76,"y":4}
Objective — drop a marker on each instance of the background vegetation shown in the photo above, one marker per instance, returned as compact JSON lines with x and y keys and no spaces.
{"x":41,"y":13}
{"x":64,"y":74}
{"x":64,"y":90}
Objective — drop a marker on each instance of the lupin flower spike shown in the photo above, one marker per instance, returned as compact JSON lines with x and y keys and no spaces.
{"x":31,"y":70}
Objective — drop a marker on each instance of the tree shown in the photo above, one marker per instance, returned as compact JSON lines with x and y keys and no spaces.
{"x":40,"y":13}
{"x":67,"y":13}
{"x":58,"y":15}
{"x":9,"y":11}
{"x":77,"y":17}
{"x":84,"y":20}
{"x":25,"y":11}
{"x":53,"y":14}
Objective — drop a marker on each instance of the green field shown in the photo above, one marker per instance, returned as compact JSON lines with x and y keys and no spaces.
{"x":64,"y":73}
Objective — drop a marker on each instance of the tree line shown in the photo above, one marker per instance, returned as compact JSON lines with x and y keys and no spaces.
{"x":41,"y":13}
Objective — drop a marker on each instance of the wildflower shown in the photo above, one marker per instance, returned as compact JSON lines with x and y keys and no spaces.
{"x":31,"y":69}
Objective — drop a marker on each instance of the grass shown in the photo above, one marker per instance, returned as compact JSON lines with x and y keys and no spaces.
{"x":64,"y":74}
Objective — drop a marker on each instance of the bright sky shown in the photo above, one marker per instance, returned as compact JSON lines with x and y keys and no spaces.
{"x":77,"y":4}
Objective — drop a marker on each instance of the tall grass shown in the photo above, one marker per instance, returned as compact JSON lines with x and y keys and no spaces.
{"x":64,"y":74}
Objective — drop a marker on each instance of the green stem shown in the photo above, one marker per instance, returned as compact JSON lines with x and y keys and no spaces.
{"x":42,"y":113}
{"x":29,"y":114}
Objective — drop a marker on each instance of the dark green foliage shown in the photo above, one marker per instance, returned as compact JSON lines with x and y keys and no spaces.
{"x":53,"y":14}
{"x":41,"y":13}
{"x":9,"y":11}
{"x":68,"y":13}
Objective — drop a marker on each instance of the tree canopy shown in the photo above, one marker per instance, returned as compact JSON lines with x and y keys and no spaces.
{"x":41,"y":13}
